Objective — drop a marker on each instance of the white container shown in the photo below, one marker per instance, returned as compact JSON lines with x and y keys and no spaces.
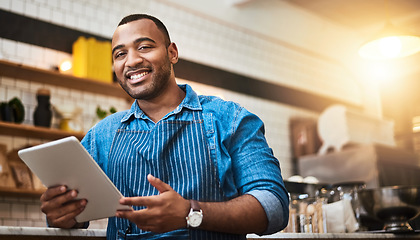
{"x":338,"y":126}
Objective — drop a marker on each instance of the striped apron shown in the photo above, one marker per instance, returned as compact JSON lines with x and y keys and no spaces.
{"x":174,"y":151}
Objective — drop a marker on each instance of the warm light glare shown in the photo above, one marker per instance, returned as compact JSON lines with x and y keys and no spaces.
{"x":380,"y":72}
{"x":416,"y":124}
{"x":390,"y":47}
{"x":416,"y":129}
{"x":66,"y":66}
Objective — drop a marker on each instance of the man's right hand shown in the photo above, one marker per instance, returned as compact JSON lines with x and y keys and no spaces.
{"x":61,"y":208}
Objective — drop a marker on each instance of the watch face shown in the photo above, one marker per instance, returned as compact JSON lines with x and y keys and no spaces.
{"x":195,"y":218}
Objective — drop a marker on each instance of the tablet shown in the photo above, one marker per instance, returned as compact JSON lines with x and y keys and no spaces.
{"x":66,"y":162}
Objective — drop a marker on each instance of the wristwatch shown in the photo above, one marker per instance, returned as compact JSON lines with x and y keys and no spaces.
{"x":195,"y":217}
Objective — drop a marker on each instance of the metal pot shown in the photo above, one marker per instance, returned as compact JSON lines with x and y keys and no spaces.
{"x":393,"y":205}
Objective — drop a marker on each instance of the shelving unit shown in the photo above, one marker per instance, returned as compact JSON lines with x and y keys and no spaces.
{"x":32,"y":74}
{"x":21,"y":130}
{"x":15,"y":192}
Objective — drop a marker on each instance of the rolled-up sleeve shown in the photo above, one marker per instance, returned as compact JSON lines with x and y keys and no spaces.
{"x":256,"y":171}
{"x":273,"y":207}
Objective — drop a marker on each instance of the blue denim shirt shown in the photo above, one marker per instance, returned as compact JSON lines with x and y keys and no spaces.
{"x":245,"y":162}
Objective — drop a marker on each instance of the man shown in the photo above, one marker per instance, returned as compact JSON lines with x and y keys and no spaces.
{"x":192,"y":167}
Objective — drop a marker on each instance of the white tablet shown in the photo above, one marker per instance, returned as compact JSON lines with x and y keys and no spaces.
{"x":66,"y":162}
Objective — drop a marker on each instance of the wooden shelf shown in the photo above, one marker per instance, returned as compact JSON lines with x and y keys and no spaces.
{"x":22,"y":130}
{"x":15,"y":192}
{"x":32,"y":74}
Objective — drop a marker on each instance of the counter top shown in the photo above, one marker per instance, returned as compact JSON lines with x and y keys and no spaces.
{"x":49,"y":233}
{"x":35,"y":233}
{"x":359,"y":235}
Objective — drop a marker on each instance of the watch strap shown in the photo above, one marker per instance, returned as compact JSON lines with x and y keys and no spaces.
{"x":195,"y":206}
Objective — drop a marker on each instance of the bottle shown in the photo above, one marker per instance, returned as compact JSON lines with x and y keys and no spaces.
{"x":43,"y":113}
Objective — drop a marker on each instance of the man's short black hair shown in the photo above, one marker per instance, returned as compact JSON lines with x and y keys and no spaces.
{"x":159,"y":24}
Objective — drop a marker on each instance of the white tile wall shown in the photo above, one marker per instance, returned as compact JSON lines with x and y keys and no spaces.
{"x":26,"y":212}
{"x":275,"y":116}
{"x":199,"y":38}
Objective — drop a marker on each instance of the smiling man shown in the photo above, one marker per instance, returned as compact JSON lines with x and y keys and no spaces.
{"x":192,"y":167}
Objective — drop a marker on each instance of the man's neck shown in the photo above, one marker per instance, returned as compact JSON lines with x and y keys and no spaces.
{"x":157,"y":108}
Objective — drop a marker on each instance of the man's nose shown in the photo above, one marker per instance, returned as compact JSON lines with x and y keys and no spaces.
{"x":133,"y":59}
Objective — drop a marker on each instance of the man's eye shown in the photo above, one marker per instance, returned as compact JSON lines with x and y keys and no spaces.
{"x":119,"y":55}
{"x":144,"y":47}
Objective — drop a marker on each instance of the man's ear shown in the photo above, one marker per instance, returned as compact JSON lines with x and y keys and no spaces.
{"x":173,"y":53}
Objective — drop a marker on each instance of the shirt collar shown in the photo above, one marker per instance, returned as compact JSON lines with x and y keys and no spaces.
{"x":191,"y":101}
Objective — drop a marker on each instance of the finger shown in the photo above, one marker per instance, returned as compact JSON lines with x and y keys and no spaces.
{"x":67,"y":220}
{"x":158,"y":184}
{"x":52,"y":192}
{"x":137,"y":201}
{"x":140,"y":217}
{"x":63,"y":203}
{"x":58,"y":201}
{"x":66,"y":209}
{"x":125,"y":213}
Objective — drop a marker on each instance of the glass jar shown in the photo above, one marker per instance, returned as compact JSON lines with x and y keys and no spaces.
{"x":349,"y":191}
{"x":306,"y":215}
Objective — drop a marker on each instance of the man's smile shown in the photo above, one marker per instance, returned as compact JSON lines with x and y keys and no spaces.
{"x":135,"y":77}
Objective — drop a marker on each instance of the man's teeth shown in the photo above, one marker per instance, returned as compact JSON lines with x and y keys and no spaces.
{"x":137,"y":76}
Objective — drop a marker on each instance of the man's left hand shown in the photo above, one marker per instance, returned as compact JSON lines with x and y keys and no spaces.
{"x":163,"y":213}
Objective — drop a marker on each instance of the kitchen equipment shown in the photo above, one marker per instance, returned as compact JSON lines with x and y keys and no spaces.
{"x":339,"y":126}
{"x":304,"y":136}
{"x":21,"y":174}
{"x":376,"y":165}
{"x":343,"y":206}
{"x":6,"y":113}
{"x":12,"y":111}
{"x":6,"y":179}
{"x":306,"y":215}
{"x":69,"y":117}
{"x":349,"y":191}
{"x":394,"y":205}
{"x":43,"y":113}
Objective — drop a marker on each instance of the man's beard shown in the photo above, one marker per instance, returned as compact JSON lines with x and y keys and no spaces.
{"x":158,"y":83}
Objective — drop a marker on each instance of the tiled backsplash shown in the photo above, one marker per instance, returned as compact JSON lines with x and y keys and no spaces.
{"x":207,"y":42}
{"x":21,"y":212}
{"x":25,"y":212}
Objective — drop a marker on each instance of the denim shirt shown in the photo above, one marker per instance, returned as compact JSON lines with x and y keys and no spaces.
{"x":235,"y":137}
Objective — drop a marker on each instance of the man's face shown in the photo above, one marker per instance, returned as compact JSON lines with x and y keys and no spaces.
{"x":142,"y":62}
